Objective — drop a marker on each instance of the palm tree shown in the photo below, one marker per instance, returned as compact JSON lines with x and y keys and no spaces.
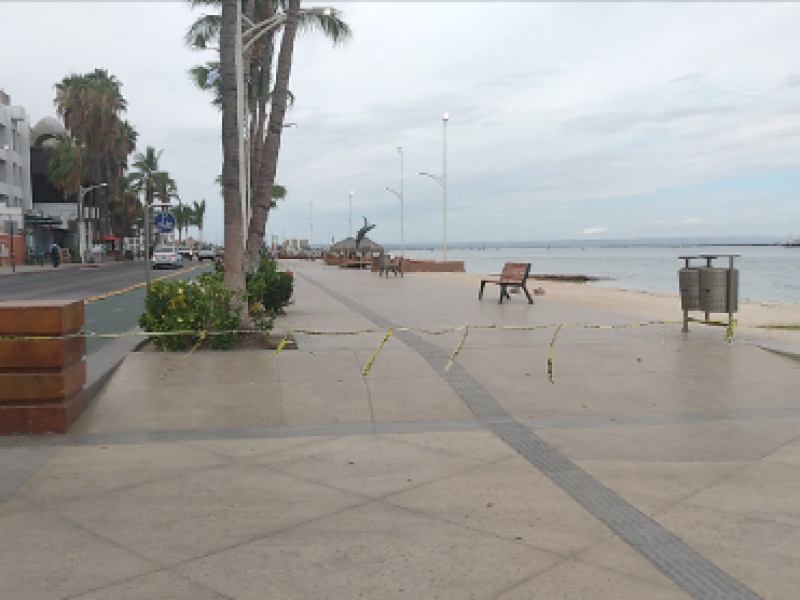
{"x":234,"y":253}
{"x":91,"y":105}
{"x":183,"y":219}
{"x":124,"y":206}
{"x":145,"y":175}
{"x":198,"y":216}
{"x":65,"y":168}
{"x":206,"y":29}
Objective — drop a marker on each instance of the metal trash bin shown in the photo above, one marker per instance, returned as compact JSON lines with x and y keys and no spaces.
{"x":719,"y":290}
{"x":689,"y":283}
{"x":708,"y":289}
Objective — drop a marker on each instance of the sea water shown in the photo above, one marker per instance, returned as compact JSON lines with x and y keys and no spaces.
{"x":767,"y":273}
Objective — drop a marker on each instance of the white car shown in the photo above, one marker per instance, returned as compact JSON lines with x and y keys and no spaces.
{"x":206,"y":253}
{"x":185,"y":252}
{"x":167,"y":256}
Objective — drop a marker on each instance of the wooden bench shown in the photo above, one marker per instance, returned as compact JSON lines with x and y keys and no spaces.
{"x":395,"y":265}
{"x":513,"y":275}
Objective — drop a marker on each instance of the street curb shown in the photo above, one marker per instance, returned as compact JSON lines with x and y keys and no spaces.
{"x":101,"y":364}
{"x":45,"y":269}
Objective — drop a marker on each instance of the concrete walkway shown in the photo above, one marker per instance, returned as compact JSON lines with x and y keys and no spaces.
{"x":658,"y":465}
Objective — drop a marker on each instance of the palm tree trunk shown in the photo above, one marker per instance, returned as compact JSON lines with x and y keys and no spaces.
{"x":272,"y":144}
{"x":234,"y":267}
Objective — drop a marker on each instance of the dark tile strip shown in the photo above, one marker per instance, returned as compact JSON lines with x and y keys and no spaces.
{"x":687,"y":568}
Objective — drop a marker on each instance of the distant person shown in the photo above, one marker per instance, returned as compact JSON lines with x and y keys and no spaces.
{"x":55,"y":254}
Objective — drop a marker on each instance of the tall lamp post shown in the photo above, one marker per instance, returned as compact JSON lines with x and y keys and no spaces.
{"x":350,"y":233}
{"x":400,"y":197}
{"x":442,"y":181}
{"x":82,"y":191}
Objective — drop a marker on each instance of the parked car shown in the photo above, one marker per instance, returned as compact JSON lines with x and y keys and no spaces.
{"x":186,"y":252}
{"x":206,"y":253}
{"x":167,"y":256}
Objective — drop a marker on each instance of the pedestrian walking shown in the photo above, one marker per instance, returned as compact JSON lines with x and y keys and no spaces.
{"x":55,"y":254}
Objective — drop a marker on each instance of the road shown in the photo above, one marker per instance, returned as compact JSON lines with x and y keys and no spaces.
{"x":115,"y":314}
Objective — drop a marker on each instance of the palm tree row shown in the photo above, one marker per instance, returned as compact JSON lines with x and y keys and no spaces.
{"x":266,"y":104}
{"x":189,"y":216}
{"x":96,"y":149}
{"x":98,"y":140}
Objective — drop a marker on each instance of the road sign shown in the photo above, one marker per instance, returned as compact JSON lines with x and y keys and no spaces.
{"x":164,"y":223}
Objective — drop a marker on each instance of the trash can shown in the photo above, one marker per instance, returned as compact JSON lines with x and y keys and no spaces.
{"x":708,"y":289}
{"x":719,"y":290}
{"x":689,"y":282}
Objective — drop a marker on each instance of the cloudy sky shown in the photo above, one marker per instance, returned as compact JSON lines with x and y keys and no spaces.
{"x":567,"y":121}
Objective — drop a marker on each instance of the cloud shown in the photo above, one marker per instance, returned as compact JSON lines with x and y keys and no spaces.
{"x":693,"y":221}
{"x":591,"y":230}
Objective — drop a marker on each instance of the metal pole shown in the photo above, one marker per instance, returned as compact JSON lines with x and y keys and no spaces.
{"x":351,"y":213}
{"x":402,"y":241}
{"x":13,"y":257}
{"x":81,"y":227}
{"x":311,"y":240}
{"x":444,"y":183}
{"x":240,"y":121}
{"x":147,"y":244}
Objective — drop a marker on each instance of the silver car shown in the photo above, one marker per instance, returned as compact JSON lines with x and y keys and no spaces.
{"x":167,"y":256}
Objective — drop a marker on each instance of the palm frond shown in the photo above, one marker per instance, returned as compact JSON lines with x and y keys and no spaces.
{"x":203,"y":31}
{"x":331,"y":26}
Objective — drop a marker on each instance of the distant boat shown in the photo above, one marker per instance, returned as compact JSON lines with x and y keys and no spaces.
{"x":795,"y":243}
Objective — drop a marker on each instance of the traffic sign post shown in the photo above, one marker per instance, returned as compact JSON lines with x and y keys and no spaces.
{"x":164,"y":223}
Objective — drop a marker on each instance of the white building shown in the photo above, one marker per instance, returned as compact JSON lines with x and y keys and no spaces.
{"x":294,"y":245}
{"x":15,"y":161}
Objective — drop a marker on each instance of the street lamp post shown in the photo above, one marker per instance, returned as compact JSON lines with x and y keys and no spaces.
{"x":400,"y":197}
{"x":351,"y":214}
{"x":311,"y":224}
{"x":442,"y":181}
{"x":82,"y":191}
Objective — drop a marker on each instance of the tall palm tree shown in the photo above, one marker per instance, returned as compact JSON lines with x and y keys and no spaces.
{"x":145,"y":176}
{"x":259,"y":91}
{"x":65,"y":168}
{"x":124,"y":206}
{"x":183,"y":219}
{"x":199,"y":216}
{"x":91,"y":105}
{"x":234,"y":253}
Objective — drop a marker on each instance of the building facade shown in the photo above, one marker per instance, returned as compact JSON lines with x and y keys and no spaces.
{"x":15,"y":180}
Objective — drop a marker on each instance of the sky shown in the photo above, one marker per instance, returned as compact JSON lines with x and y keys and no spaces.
{"x":566,"y":120}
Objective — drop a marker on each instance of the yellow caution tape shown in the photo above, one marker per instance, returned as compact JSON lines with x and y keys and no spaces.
{"x":458,"y":349}
{"x":365,"y":371}
{"x":274,"y":354}
{"x":550,"y":354}
{"x":187,"y":355}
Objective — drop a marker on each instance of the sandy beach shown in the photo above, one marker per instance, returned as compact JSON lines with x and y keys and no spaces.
{"x":652,"y":305}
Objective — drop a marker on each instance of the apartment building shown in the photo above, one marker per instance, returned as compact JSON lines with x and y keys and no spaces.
{"x":15,"y":161}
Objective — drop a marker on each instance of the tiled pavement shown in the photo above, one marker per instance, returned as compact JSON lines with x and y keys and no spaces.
{"x":214,"y":477}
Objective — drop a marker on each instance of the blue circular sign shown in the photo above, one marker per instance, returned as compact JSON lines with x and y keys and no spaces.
{"x":164,"y":222}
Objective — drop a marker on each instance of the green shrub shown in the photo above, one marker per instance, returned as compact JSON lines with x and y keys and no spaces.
{"x":205,"y":305}
{"x":270,"y":288}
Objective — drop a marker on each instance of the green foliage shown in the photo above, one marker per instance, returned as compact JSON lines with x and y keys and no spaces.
{"x":269,"y":287}
{"x":205,"y":305}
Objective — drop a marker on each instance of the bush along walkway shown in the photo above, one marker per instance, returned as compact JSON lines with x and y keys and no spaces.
{"x":207,"y":306}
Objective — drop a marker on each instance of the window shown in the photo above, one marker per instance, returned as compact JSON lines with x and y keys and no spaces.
{"x":3,"y":171}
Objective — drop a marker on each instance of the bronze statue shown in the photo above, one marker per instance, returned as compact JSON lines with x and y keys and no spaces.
{"x":362,"y":233}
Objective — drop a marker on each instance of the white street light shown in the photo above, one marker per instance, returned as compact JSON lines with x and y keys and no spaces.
{"x":351,"y":213}
{"x":400,"y":197}
{"x":82,"y":191}
{"x":443,"y":182}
